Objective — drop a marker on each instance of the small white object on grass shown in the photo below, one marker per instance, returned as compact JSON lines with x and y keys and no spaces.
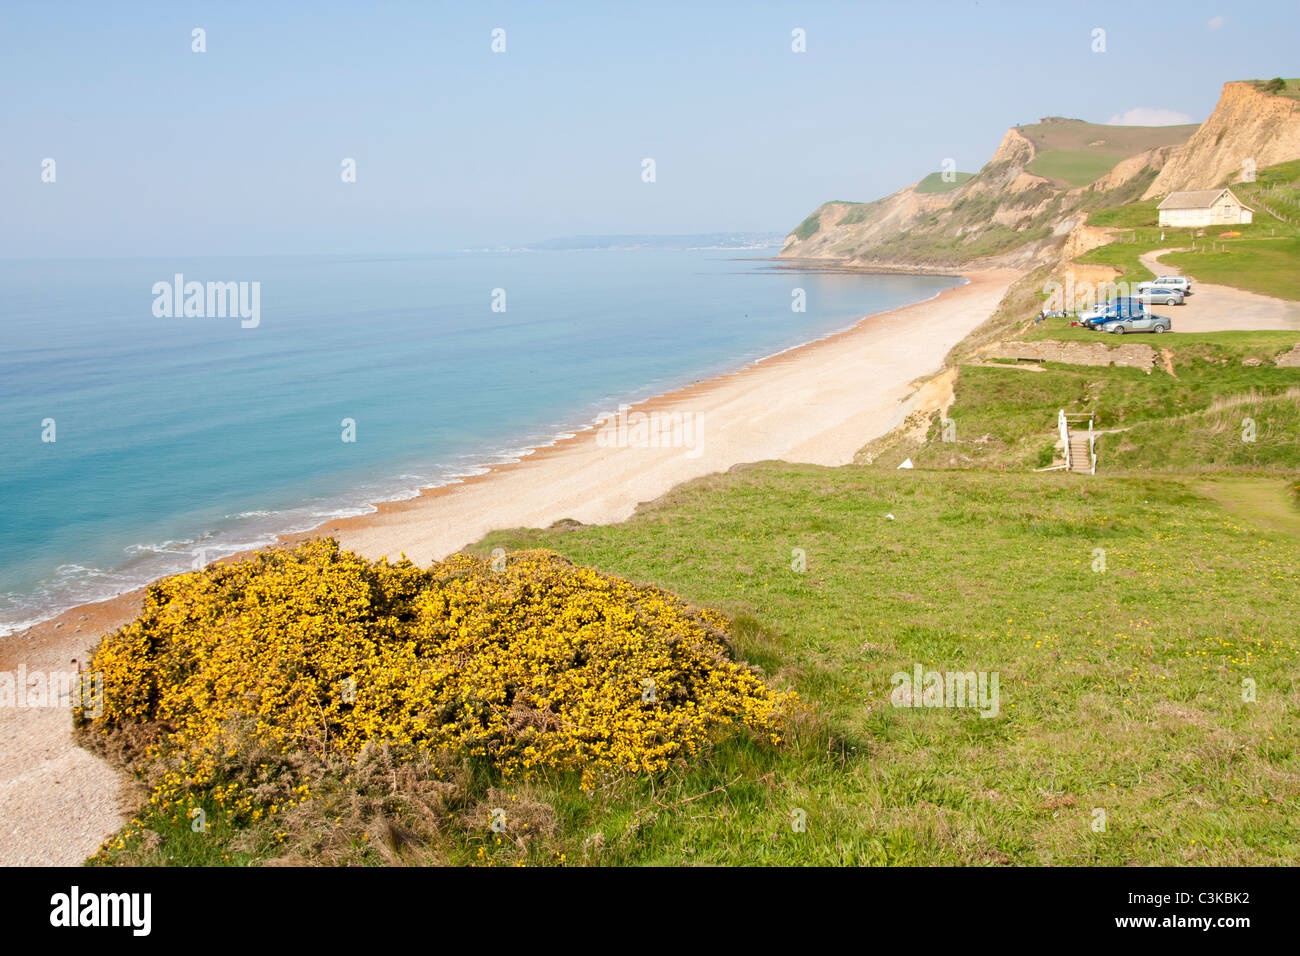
{"x":907,"y":463}
{"x":890,"y":517}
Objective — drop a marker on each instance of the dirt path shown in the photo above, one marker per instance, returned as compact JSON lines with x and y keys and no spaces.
{"x":1018,"y":368}
{"x":1221,"y":308}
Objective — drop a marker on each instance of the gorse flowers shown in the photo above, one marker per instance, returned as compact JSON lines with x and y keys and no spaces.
{"x":313,"y":650}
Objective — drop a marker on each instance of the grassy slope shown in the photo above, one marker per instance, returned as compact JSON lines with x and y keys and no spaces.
{"x":809,"y":226}
{"x":1006,"y":417}
{"x":1074,"y":167}
{"x":1292,"y":88}
{"x":1078,"y":135}
{"x":1079,"y":153}
{"x":1267,"y":266}
{"x":1119,"y":690}
{"x":1277,"y":187}
{"x":1130,"y":215}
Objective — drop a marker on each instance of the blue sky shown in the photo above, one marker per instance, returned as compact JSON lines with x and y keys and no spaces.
{"x":163,"y":151}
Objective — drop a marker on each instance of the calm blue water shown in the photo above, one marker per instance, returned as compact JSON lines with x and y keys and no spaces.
{"x":180,"y":434}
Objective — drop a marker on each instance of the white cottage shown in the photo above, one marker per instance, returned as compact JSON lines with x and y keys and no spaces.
{"x":1204,"y":207}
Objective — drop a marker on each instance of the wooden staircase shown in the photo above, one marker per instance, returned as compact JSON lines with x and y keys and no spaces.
{"x":1080,"y":452}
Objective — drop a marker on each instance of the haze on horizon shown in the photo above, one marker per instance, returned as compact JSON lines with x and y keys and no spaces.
{"x":238,"y":150}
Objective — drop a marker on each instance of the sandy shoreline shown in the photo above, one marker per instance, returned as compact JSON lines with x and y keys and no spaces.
{"x":816,"y":403}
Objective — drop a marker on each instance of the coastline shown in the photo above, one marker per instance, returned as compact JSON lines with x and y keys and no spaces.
{"x":755,"y":413}
{"x":839,"y":266}
{"x":810,"y":403}
{"x":266,"y":516}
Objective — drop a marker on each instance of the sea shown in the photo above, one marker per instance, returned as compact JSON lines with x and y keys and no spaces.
{"x":150,"y":424}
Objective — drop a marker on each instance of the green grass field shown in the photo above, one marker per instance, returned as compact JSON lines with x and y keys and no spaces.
{"x":1267,"y":266}
{"x":1078,"y":153}
{"x":1256,"y":261}
{"x":1291,"y":89}
{"x":935,"y":183}
{"x":1142,"y":213}
{"x":1276,"y":188}
{"x":1076,"y":167}
{"x":1121,"y":691}
{"x":1057,"y":133}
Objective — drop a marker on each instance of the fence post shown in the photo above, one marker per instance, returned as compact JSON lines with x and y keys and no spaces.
{"x":1065,"y":435}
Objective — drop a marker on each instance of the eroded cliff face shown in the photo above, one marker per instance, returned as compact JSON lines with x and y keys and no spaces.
{"x":1015,"y":150}
{"x":909,"y":226}
{"x":1083,"y":238}
{"x":846,"y":229}
{"x":1129,"y":169}
{"x":1247,"y":125}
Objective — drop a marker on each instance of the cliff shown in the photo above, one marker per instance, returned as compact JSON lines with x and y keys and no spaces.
{"x":1247,"y":124}
{"x":1033,"y":191}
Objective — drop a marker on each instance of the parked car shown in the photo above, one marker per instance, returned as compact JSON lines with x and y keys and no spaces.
{"x":1158,"y":295}
{"x":1115,"y":309}
{"x":1181,"y":283}
{"x":1146,"y":322}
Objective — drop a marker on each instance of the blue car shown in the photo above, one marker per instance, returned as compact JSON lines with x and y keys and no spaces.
{"x":1123,"y":308}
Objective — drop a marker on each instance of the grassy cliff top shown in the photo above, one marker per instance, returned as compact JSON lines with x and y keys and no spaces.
{"x":1057,"y":133}
{"x":935,"y":183}
{"x":1078,"y":153}
{"x":1290,"y":88}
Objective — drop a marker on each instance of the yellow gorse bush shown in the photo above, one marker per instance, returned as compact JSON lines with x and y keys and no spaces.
{"x":542,"y":665}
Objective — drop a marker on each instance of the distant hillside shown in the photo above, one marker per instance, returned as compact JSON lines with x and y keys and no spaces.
{"x":704,"y":240}
{"x":1030,"y":193}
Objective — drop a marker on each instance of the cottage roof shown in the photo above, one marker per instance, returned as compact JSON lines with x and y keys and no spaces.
{"x":1198,"y":199}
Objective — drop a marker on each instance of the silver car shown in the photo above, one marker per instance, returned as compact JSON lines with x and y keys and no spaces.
{"x":1158,"y":295}
{"x":1181,"y":283}
{"x":1143,"y":322}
